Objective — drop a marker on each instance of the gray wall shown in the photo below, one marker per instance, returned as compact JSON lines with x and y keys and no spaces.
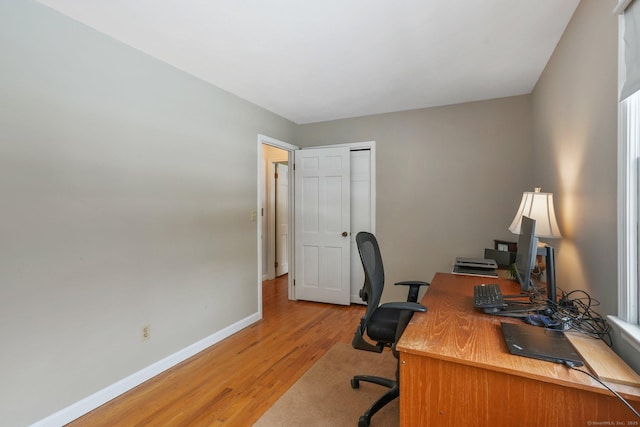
{"x":126,"y":190}
{"x":449,"y":179}
{"x":575,"y":153}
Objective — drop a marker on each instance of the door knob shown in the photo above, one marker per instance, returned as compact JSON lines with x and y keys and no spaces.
{"x":345,"y":234}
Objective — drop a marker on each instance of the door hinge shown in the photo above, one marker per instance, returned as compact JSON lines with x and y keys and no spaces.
{"x":294,"y":282}
{"x":275,"y":175}
{"x":275,"y":264}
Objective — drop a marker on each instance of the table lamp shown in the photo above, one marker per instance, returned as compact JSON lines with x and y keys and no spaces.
{"x":539,"y":206}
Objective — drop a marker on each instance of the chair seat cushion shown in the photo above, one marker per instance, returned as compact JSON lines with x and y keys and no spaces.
{"x":382,"y":325}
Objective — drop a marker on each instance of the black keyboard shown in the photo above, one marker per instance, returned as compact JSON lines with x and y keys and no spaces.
{"x":488,"y":296}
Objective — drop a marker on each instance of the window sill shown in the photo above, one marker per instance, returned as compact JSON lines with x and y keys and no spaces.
{"x":629,"y":332}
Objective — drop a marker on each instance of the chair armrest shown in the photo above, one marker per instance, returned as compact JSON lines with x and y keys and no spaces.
{"x":411,"y":306}
{"x":412,"y":282}
{"x":414,"y":288}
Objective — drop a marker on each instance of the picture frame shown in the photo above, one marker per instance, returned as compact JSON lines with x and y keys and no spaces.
{"x":505,"y":246}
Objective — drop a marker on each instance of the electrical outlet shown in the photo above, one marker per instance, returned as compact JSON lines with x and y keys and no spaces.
{"x":146,"y":332}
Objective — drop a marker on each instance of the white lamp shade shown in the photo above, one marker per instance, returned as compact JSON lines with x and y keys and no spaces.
{"x":538,"y":206}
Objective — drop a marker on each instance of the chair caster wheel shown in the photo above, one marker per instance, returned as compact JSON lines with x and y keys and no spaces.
{"x":363,"y":421}
{"x":355,"y":383}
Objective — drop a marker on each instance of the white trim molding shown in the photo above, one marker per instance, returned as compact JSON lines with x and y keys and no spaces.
{"x":627,"y":221}
{"x":626,"y":322}
{"x":629,"y":333}
{"x":621,"y":6}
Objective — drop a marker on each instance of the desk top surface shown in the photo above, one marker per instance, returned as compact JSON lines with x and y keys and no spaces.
{"x":453,"y":330}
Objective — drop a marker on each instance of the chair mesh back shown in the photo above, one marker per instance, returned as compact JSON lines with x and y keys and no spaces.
{"x":373,"y":270}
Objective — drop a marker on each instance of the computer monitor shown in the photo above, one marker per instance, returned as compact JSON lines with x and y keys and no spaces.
{"x":526,"y":258}
{"x":526,"y":255}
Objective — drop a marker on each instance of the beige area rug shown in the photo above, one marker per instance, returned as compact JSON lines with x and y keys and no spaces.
{"x":323,"y":395}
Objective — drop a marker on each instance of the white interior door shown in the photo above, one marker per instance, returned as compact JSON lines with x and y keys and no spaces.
{"x":282,"y":219}
{"x":322,"y":225}
{"x":361,"y":213}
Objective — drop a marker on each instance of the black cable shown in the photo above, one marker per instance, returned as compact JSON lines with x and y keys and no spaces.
{"x":571,"y":365}
{"x":574,"y":311}
{"x":578,"y":312}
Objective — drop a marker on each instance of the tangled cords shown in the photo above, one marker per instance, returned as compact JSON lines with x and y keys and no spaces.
{"x":574,"y":311}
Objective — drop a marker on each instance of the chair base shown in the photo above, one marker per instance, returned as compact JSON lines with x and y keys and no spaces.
{"x":394,"y":392}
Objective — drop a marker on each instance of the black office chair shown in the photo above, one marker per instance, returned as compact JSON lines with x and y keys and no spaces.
{"x":384,"y":323}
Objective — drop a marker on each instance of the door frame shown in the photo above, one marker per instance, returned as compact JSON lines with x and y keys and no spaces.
{"x":266,"y":140}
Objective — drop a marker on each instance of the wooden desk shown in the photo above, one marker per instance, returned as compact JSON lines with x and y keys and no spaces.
{"x":455,"y":370}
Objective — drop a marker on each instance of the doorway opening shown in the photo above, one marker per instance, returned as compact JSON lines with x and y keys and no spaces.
{"x":274,"y":211}
{"x":275,"y":202}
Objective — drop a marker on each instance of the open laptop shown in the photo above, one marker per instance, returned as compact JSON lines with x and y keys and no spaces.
{"x":539,"y":343}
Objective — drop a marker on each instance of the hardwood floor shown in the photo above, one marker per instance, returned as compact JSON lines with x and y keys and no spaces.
{"x":235,"y":381}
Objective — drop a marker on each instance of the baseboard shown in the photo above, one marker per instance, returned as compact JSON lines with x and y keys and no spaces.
{"x":101,"y":397}
{"x":355,"y":299}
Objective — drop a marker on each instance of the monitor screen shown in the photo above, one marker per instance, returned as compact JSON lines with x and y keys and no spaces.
{"x":527,"y":251}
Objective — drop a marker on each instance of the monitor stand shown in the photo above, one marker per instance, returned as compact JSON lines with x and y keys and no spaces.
{"x":549,"y":253}
{"x":515,"y":296}
{"x":514,"y":310}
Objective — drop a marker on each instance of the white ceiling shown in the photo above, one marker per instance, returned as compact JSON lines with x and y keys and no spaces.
{"x":316,"y":60}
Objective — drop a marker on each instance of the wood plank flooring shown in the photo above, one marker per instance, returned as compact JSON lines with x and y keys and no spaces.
{"x":235,"y":381}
